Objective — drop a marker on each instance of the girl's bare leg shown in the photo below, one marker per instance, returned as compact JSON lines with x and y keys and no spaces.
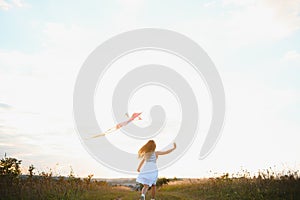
{"x":153,"y":191}
{"x":145,"y":189}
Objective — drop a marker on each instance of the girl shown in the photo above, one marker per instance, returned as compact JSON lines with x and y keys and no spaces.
{"x":149,"y":173}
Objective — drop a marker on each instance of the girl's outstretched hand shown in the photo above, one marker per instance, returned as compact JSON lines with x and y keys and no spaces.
{"x":174,"y":145}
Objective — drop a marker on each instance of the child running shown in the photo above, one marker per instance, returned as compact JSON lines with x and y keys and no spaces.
{"x":149,"y":173}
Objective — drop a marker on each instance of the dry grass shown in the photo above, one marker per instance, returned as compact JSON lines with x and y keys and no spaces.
{"x":267,"y":184}
{"x":47,"y":187}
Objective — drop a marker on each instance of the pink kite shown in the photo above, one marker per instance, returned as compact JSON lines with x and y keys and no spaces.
{"x":133,"y":117}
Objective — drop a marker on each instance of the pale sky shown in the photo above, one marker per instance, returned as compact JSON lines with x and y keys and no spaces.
{"x":253,"y":43}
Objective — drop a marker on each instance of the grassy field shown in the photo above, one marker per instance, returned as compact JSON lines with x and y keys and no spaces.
{"x":265,"y":185}
{"x":46,"y":187}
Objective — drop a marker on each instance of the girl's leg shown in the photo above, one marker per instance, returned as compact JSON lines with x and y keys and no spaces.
{"x":145,"y":189}
{"x":153,"y":191}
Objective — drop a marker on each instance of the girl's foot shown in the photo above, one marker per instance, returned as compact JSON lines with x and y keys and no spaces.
{"x":142,"y":197}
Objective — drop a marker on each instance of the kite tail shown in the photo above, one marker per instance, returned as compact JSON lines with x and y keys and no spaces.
{"x":104,"y":133}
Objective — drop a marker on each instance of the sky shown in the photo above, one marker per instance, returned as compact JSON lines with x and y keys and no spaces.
{"x":254,"y":45}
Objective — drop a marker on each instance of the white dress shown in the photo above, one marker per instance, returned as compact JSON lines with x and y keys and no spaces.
{"x":149,"y":173}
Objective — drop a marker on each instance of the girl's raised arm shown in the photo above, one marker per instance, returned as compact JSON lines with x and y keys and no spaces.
{"x":157,"y":153}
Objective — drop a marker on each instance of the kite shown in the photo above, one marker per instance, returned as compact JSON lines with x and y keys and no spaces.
{"x":133,"y":117}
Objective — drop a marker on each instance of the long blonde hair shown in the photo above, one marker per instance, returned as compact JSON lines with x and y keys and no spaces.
{"x":147,"y":149}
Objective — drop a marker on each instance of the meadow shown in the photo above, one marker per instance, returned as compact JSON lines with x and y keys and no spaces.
{"x":266,"y":185}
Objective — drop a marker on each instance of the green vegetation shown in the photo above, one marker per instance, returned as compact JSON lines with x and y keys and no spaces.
{"x":267,"y":185}
{"x":235,"y":188}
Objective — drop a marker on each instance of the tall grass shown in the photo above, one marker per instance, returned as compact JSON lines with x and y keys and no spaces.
{"x":266,"y":184}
